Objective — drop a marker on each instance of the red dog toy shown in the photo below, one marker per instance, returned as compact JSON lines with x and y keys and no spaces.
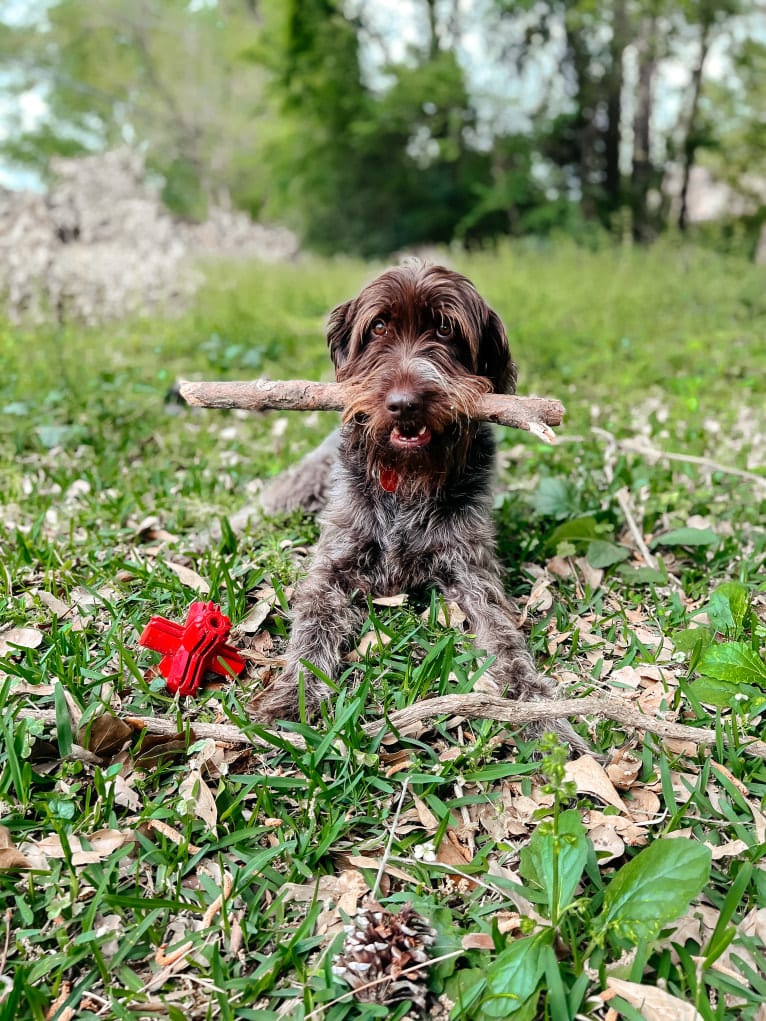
{"x":191,"y":649}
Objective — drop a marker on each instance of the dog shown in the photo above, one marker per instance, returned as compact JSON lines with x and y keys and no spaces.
{"x":407,"y":482}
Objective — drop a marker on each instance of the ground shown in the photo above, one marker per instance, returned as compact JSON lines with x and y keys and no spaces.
{"x":177,"y":876}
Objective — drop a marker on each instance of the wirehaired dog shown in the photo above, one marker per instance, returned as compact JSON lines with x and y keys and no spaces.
{"x":408,"y":499}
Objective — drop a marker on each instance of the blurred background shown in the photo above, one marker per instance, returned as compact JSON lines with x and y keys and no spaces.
{"x":147,"y":130}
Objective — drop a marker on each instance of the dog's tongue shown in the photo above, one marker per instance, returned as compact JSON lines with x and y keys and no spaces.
{"x":389,"y":479}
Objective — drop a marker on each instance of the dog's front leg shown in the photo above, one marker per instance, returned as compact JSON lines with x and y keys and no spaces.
{"x":490,"y":618}
{"x":325,"y":618}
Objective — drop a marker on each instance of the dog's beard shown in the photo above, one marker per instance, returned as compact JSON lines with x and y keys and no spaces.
{"x":420,"y":452}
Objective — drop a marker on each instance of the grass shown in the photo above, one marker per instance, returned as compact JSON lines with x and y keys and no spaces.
{"x":105,"y":490}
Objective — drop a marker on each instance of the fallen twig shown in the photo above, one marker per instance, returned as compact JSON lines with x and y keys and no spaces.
{"x":471,"y":706}
{"x":642,"y":447}
{"x":534,"y":414}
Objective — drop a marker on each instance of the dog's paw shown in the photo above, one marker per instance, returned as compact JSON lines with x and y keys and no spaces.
{"x":282,"y":700}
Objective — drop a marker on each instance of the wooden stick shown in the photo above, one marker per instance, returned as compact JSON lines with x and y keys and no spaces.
{"x":471,"y":706}
{"x":534,"y":414}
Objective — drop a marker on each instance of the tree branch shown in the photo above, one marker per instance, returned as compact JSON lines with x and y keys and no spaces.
{"x":474,"y":706}
{"x":534,"y":414}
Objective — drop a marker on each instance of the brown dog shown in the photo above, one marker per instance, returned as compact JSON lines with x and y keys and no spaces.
{"x":409,"y":494}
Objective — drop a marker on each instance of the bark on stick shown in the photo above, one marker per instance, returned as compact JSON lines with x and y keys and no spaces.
{"x":534,"y":414}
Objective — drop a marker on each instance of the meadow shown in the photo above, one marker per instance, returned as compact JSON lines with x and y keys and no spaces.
{"x":146,"y":875}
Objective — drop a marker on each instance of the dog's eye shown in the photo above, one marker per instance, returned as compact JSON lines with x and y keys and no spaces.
{"x":379,"y":328}
{"x":444,"y":331}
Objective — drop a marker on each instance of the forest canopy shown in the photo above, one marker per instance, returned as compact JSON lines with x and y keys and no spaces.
{"x":370,"y":127}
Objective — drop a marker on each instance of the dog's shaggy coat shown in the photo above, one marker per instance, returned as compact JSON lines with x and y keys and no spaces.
{"x":408,"y":502}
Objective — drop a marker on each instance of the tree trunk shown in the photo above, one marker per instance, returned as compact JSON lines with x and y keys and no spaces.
{"x":690,"y":142}
{"x":612,"y":134}
{"x":642,"y":169}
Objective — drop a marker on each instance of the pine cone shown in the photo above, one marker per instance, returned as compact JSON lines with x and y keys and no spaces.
{"x":381,"y":945}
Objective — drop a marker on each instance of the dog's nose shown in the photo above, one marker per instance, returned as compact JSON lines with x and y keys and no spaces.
{"x":400,"y":403}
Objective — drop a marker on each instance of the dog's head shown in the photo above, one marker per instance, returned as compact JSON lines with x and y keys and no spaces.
{"x":418,"y":347}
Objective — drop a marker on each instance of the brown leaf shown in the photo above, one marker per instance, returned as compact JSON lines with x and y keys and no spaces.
{"x":607,"y":842}
{"x":653,"y":1003}
{"x":12,"y":860}
{"x":428,"y":820}
{"x":105,"y":735}
{"x":15,"y":639}
{"x":188,"y":577}
{"x":196,"y":792}
{"x":258,"y":613}
{"x":590,"y":778}
{"x":397,"y":600}
{"x":101,"y":844}
{"x":559,"y":566}
{"x":372,"y":640}
{"x":57,"y":606}
{"x":592,"y":576}
{"x":477,"y":941}
{"x":623,"y":771}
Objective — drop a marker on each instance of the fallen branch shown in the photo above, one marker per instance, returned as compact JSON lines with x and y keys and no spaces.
{"x":534,"y":414}
{"x":472,"y":706}
{"x":643,"y":448}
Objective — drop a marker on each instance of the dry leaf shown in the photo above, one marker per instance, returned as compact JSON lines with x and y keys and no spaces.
{"x":17,"y":638}
{"x":125,"y":795}
{"x":195,"y":792}
{"x":428,"y":820}
{"x":53,"y":603}
{"x":372,"y":640}
{"x":540,"y":598}
{"x":681,"y":747}
{"x":607,"y":842}
{"x":477,"y":941}
{"x":105,"y":735}
{"x":189,"y":577}
{"x":592,"y":576}
{"x":626,"y":677}
{"x":101,"y":844}
{"x":653,"y":1003}
{"x":643,"y":803}
{"x":730,"y":849}
{"x":559,"y":566}
{"x":590,"y":778}
{"x":623,"y":771}
{"x":11,"y":860}
{"x":398,"y":600}
{"x":258,"y":613}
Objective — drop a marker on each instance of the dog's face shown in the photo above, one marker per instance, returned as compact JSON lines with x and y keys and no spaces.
{"x":418,"y":347}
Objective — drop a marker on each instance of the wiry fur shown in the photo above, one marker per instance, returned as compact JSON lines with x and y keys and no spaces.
{"x":419,"y":346}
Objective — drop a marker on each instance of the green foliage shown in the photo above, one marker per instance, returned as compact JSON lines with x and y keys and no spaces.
{"x":304,"y":110}
{"x":105,"y":487}
{"x":651,"y":890}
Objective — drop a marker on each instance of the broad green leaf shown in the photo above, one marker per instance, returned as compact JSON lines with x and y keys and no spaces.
{"x":735,"y":663}
{"x":577,"y":530}
{"x":687,"y":537}
{"x":726,"y":696}
{"x":643,"y":575}
{"x":554,"y":498}
{"x":536,"y":860}
{"x":603,"y":554}
{"x":728,"y":606}
{"x":653,"y":889}
{"x":690,"y":639}
{"x":514,"y":974}
{"x":465,"y":986}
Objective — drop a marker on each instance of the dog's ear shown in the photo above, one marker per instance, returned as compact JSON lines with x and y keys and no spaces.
{"x":495,"y":360}
{"x":339,"y":327}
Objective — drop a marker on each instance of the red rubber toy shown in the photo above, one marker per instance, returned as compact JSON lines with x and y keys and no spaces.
{"x":191,"y":649}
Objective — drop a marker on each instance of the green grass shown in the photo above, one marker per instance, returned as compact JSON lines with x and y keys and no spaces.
{"x":103,"y":484}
